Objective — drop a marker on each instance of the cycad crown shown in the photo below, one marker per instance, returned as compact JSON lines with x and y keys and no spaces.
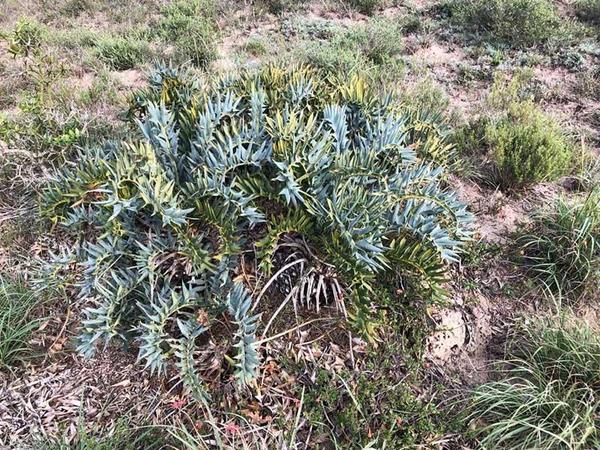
{"x":231,"y":166}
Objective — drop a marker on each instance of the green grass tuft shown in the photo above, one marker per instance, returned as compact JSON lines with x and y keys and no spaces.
{"x":562,"y":248}
{"x":548,"y":394}
{"x":16,"y":324}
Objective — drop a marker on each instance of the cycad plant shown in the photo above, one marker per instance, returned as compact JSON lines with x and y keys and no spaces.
{"x":317,"y":179}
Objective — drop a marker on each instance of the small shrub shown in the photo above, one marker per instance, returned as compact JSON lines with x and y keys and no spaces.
{"x":225,"y":167}
{"x":350,"y":408}
{"x":333,"y":56}
{"x":16,"y":324}
{"x":342,"y":51}
{"x":379,"y":40}
{"x":548,"y":394}
{"x":74,"y":8}
{"x":122,"y":53}
{"x":523,"y":145}
{"x":527,"y":147}
{"x":521,"y":23}
{"x":365,"y":6}
{"x":46,"y":126}
{"x":255,"y":46}
{"x":562,"y":248}
{"x":26,"y":38}
{"x":189,"y":25}
{"x":279,"y":6}
{"x":588,"y":10}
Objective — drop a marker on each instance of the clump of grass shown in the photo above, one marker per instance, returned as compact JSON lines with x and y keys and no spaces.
{"x":189,"y":25}
{"x":122,"y":53}
{"x":123,"y":436}
{"x":520,"y":23}
{"x":16,"y":325}
{"x":75,"y":38}
{"x":332,"y":56}
{"x":562,"y":248}
{"x":548,"y":396}
{"x":74,"y":8}
{"x":589,"y":84}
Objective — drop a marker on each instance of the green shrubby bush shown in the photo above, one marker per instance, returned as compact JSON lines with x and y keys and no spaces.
{"x":527,"y":147}
{"x":522,"y":144}
{"x":520,"y":23}
{"x":375,"y":43}
{"x":365,"y":6}
{"x":189,"y":25}
{"x":230,"y":166}
{"x":379,"y":40}
{"x":122,"y":53}
{"x":588,"y":10}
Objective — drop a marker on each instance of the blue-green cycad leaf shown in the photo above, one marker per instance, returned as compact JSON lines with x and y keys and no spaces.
{"x":238,"y":303}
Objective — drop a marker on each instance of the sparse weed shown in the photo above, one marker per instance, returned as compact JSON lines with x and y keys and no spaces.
{"x":562,"y":247}
{"x":45,"y":126}
{"x":547,"y":397}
